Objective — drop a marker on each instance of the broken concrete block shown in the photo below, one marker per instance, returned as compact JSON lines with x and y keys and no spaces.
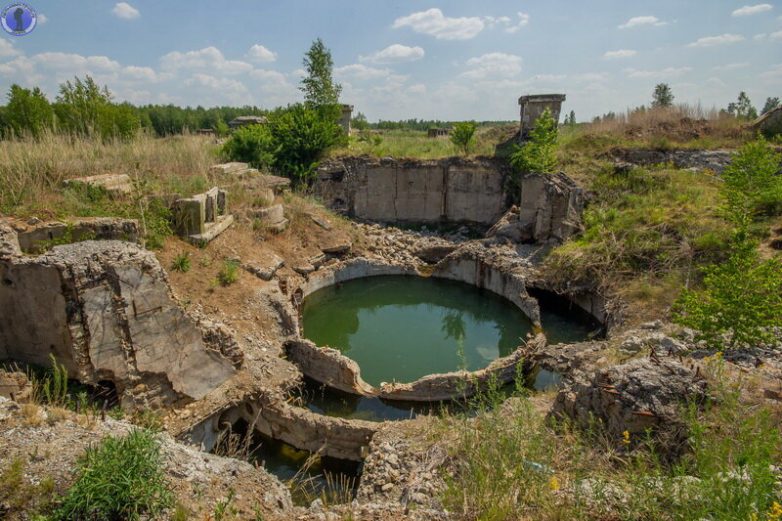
{"x":272,"y":218}
{"x":231,"y":168}
{"x":337,"y":247}
{"x":115,"y":184}
{"x":202,"y":217}
{"x":264,"y":270}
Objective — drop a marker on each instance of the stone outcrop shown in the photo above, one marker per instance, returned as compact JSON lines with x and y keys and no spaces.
{"x":549,"y":211}
{"x":714,"y":160}
{"x":640,"y":395}
{"x":271,"y":218}
{"x":105,"y":311}
{"x":391,"y":190}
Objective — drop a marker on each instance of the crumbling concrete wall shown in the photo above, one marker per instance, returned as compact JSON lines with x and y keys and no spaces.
{"x":269,"y":414}
{"x":447,"y":190}
{"x":327,"y":366}
{"x":105,"y":311}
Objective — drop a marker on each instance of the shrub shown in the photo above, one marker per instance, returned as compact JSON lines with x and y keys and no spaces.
{"x":181,"y":263}
{"x":462,"y":135}
{"x":121,"y":478}
{"x":301,"y":135}
{"x":539,"y":154}
{"x":252,"y":144}
{"x":741,"y":303}
{"x":229,"y":273}
{"x":752,"y":186}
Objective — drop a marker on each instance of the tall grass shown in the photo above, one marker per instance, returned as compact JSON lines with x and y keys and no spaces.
{"x":121,"y":478}
{"x":511,"y":463}
{"x":32,"y":172}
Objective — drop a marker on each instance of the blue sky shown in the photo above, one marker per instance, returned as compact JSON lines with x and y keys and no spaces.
{"x":408,"y":58}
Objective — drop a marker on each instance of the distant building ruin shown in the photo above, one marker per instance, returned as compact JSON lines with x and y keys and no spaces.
{"x":533,"y":105}
{"x":345,"y":117}
{"x":438,"y":132}
{"x":243,"y":121}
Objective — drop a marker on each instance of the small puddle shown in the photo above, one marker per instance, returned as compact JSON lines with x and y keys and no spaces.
{"x":332,"y":402}
{"x":308,"y":476}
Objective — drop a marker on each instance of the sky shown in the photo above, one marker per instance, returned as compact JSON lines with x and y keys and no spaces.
{"x":399,"y":59}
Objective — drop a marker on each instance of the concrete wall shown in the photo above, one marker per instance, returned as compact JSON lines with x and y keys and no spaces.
{"x":448,"y":190}
{"x":104,"y":310}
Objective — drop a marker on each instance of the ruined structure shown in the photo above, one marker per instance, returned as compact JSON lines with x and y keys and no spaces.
{"x":770,"y":123}
{"x":202,"y":217}
{"x":105,"y":311}
{"x":438,"y":132}
{"x":244,"y":121}
{"x":533,"y":105}
{"x":414,"y":191}
{"x":549,"y":210}
{"x":345,"y":118}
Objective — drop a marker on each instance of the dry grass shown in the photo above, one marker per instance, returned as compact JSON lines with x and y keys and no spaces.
{"x":32,"y":172}
{"x":682,"y":126}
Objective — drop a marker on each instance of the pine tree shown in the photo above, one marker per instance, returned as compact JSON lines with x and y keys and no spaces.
{"x":663,"y":96}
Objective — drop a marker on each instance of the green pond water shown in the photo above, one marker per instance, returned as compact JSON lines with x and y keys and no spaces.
{"x":400,"y":328}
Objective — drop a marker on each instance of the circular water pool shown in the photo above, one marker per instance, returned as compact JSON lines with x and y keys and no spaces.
{"x":400,"y":328}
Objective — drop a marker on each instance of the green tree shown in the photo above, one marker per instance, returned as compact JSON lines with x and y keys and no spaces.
{"x":360,"y":122}
{"x":771,"y":104}
{"x":318,"y":86}
{"x":571,"y":119}
{"x":741,"y":299}
{"x":300,"y":135}
{"x":740,"y":303}
{"x":28,"y":112}
{"x":118,"y":121}
{"x":742,"y":108}
{"x":79,"y":106}
{"x":253,"y":144}
{"x":221,"y":128}
{"x":462,"y":135}
{"x":662,"y":96}
{"x":539,"y":154}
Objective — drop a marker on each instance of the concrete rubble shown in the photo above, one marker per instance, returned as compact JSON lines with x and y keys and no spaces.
{"x":202,"y":217}
{"x":114,"y":184}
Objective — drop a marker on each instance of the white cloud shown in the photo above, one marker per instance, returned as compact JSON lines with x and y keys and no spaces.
{"x":7,"y":49}
{"x":760,"y":37}
{"x":638,"y":21}
{"x":716,"y":82}
{"x":125,"y":11}
{"x":775,"y":37}
{"x":235,"y":90}
{"x":668,"y":72}
{"x":361,"y":72}
{"x":261,"y":54}
{"x":621,"y":53}
{"x":748,"y":10}
{"x":493,"y":65}
{"x":523,"y":22}
{"x":75,"y":62}
{"x":731,"y":66}
{"x":711,"y":41}
{"x":133,"y":72}
{"x":394,"y":54}
{"x":209,"y":59}
{"x":434,"y":23}
{"x":42,"y":18}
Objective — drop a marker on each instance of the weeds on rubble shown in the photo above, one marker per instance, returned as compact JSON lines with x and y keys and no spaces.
{"x":236,"y":445}
{"x":181,"y":263}
{"x":229,"y":273}
{"x":509,"y":462}
{"x":120,"y":478}
{"x":20,"y":496}
{"x":223,"y":507}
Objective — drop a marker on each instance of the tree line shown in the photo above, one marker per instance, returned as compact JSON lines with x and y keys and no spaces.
{"x":83,"y":108}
